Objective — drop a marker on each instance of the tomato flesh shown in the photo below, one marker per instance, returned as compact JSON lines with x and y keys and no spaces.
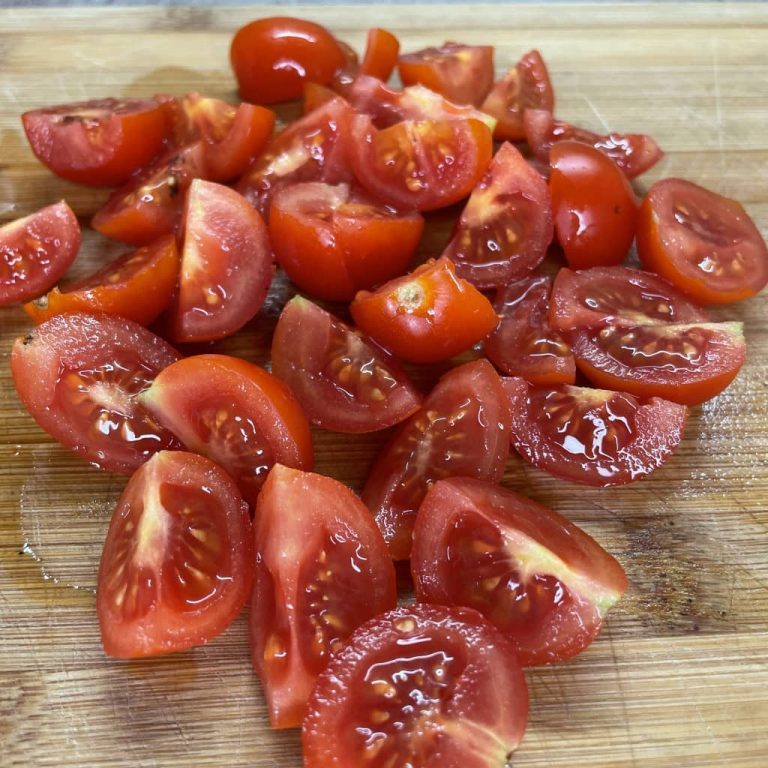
{"x":381,"y":50}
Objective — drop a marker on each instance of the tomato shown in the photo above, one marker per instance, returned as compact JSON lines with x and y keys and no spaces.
{"x":539,"y":578}
{"x":506,"y":226}
{"x":593,"y":205}
{"x":426,"y":316}
{"x":461,"y":73}
{"x":525,"y":86}
{"x":226,"y":265}
{"x":462,"y":428}
{"x":36,"y":251}
{"x":178,"y":561}
{"x":78,"y":376}
{"x":634,"y":153}
{"x":381,"y":50}
{"x":233,"y":412}
{"x":101,"y":142}
{"x":421,"y":164}
{"x":599,"y":296}
{"x":322,"y":569}
{"x":137,"y":286}
{"x":423,"y":686}
{"x":524,"y":343}
{"x":273,"y":57}
{"x":150,"y":206}
{"x":343,"y":380}
{"x":684,"y":363}
{"x":333,"y":241}
{"x":703,"y":243}
{"x":315,"y":95}
{"x":592,"y":436}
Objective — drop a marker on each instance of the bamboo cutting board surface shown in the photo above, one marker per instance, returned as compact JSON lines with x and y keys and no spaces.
{"x":679,"y":677}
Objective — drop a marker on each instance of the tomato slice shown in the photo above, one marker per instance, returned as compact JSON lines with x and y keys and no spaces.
{"x":590,"y":298}
{"x":333,"y":241}
{"x":233,"y":412}
{"x":178,"y":560}
{"x":421,"y":164}
{"x":426,"y":316}
{"x":592,"y":436}
{"x":524,"y":343}
{"x":322,"y":569}
{"x":343,"y":380}
{"x":703,"y":243}
{"x":226,"y":265}
{"x":461,"y":429}
{"x":101,"y":142}
{"x":137,"y":286}
{"x":423,"y":686}
{"x":506,"y":226}
{"x":36,"y":251}
{"x":540,"y":579}
{"x":381,"y":51}
{"x":78,"y":376}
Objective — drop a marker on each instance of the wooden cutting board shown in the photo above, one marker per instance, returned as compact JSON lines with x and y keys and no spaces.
{"x":679,"y":677}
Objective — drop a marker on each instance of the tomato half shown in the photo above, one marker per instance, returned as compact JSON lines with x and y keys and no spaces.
{"x":426,"y":316}
{"x":101,"y":142}
{"x":461,"y":429}
{"x":322,"y":569}
{"x":506,"y":226}
{"x":536,"y":576}
{"x":423,"y":686}
{"x":78,"y":376}
{"x":592,"y":436}
{"x":36,"y":251}
{"x":178,"y":561}
{"x":703,"y":243}
{"x":381,"y":50}
{"x":233,"y":412}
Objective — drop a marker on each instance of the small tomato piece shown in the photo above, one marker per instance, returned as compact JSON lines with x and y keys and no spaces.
{"x":381,"y":50}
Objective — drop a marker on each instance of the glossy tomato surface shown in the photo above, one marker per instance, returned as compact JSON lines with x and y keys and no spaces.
{"x":381,"y":51}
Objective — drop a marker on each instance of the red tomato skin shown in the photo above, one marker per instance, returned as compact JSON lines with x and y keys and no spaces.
{"x":36,"y":251}
{"x":381,"y":50}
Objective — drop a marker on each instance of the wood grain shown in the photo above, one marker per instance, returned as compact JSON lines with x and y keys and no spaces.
{"x":680,"y":675}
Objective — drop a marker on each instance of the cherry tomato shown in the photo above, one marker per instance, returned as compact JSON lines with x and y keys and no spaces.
{"x":273,"y":57}
{"x":36,"y":251}
{"x":233,"y":412}
{"x":314,"y":96}
{"x":137,"y":286}
{"x":322,"y":569}
{"x":343,"y":380}
{"x":540,"y":579}
{"x":333,"y":241}
{"x":78,"y":376}
{"x":506,"y":226}
{"x":100,"y":143}
{"x":381,"y":50}
{"x":178,"y":560}
{"x":703,"y":243}
{"x":461,"y":429}
{"x":426,"y":316}
{"x":592,"y":436}
{"x":421,"y":686}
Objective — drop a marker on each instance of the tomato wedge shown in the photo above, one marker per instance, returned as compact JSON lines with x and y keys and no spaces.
{"x":381,"y":50}
{"x":423,"y":686}
{"x":178,"y":560}
{"x":322,"y":569}
{"x":536,"y":576}
{"x":342,"y":380}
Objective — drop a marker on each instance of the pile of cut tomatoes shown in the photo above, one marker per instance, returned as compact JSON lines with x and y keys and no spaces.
{"x":586,"y":366}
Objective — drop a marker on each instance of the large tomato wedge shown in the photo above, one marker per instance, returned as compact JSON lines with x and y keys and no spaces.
{"x":178,"y":560}
{"x":461,"y":429}
{"x":592,"y":436}
{"x":540,"y":579}
{"x":423,"y":686}
{"x":381,"y":50}
{"x":703,"y":243}
{"x":36,"y":251}
{"x":233,"y":412}
{"x":322,"y":569}
{"x":79,"y":375}
{"x":343,"y":380}
{"x":506,"y":226}
{"x":100,"y":142}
